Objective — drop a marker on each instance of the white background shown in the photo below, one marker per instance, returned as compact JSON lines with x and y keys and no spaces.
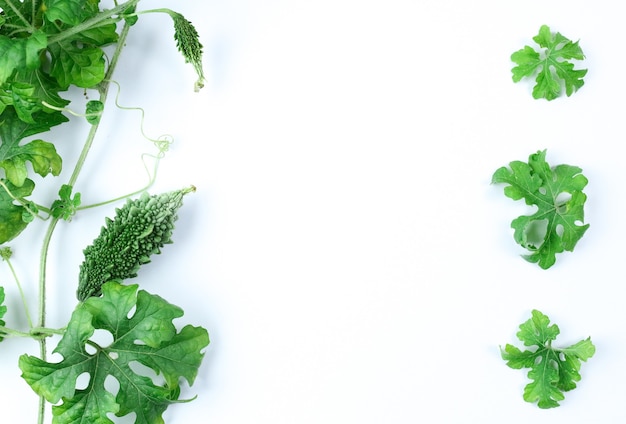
{"x":345,"y":248}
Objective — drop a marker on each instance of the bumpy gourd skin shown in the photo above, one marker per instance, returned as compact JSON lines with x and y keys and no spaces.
{"x":140,"y":228}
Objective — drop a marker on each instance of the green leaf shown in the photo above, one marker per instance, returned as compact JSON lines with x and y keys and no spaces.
{"x":3,"y":310}
{"x":66,"y":206}
{"x":93,"y":110}
{"x":552,"y":67}
{"x":79,"y":65}
{"x":46,"y":89}
{"x":41,"y":154}
{"x":77,"y":58}
{"x":557,"y":192}
{"x":97,"y":37}
{"x":23,"y":99}
{"x":71,"y":12}
{"x":14,"y":216}
{"x":147,"y":337}
{"x":129,"y":17}
{"x":20,"y":53}
{"x":6,"y":98}
{"x":552,"y":371}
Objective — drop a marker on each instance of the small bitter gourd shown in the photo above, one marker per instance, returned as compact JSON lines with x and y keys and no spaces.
{"x":140,"y":228}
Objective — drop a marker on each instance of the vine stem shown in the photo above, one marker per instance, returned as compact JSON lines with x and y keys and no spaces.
{"x":21,"y":290}
{"x":35,"y":332}
{"x":103,"y":89}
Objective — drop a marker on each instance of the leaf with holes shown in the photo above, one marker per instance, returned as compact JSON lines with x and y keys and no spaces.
{"x":553,"y":370}
{"x":148,"y":337}
{"x":66,"y":206}
{"x":551,"y":66}
{"x":557,"y":193}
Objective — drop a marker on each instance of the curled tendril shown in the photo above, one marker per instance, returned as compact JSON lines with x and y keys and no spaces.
{"x":162,"y":144}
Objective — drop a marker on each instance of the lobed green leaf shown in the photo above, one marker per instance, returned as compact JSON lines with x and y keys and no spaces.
{"x":552,"y":371}
{"x":45,"y":89}
{"x":74,"y":65}
{"x":66,"y":206}
{"x":147,"y":336}
{"x":527,"y":61}
{"x":552,"y":68}
{"x":540,"y":185}
{"x":71,"y":12}
{"x":41,"y":154}
{"x":537,"y":331}
{"x":20,"y":53}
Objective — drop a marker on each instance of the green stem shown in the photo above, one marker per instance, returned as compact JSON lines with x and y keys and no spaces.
{"x":47,"y":332}
{"x":35,"y":332}
{"x":103,"y":89}
{"x":33,"y":10}
{"x":42,"y":409}
{"x":6,"y":331}
{"x":160,"y":10}
{"x":43,"y":259}
{"x":19,"y":287}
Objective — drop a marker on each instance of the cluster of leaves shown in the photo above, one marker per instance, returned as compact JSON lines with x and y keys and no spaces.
{"x":556,"y":226}
{"x":46,"y":48}
{"x":551,"y":67}
{"x":552,"y":370}
{"x":557,"y":193}
{"x":42,"y":53}
{"x":147,"y":337}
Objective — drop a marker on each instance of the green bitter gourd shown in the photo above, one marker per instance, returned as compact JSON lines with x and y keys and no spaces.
{"x":140,"y":228}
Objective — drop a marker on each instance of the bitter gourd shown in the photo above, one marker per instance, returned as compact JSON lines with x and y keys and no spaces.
{"x":140,"y":228}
